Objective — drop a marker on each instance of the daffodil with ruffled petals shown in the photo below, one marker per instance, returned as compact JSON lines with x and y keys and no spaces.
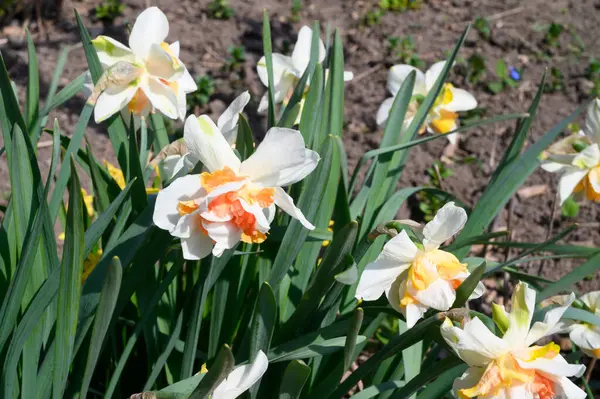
{"x":145,"y":76}
{"x":287,"y":70}
{"x":513,"y":366}
{"x":176,"y":159}
{"x":232,"y":201}
{"x":443,"y":116}
{"x":416,"y":278}
{"x":577,"y":158}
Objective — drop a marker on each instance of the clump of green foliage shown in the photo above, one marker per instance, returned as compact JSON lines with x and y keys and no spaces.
{"x":220,"y":9}
{"x":404,"y":51}
{"x":504,"y":79}
{"x":373,"y":16}
{"x":482,"y":26}
{"x":236,"y":58}
{"x":201,"y":97}
{"x":555,"y":82}
{"x":476,"y":68}
{"x":108,"y":11}
{"x":295,"y":10}
{"x":593,"y":74}
{"x":552,"y":35}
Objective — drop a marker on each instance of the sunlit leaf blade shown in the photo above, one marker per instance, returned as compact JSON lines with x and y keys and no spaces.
{"x":69,"y":288}
{"x":245,"y":140}
{"x":268,"y":50}
{"x":106,"y":306}
{"x":336,"y":75}
{"x":294,"y":377}
{"x":32,"y":103}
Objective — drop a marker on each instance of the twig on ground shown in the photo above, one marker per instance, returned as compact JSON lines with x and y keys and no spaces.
{"x":364,"y":74}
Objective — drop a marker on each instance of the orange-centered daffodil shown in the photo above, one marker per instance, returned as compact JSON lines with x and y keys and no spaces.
{"x":232,"y":201}
{"x":413,"y":278}
{"x":512,"y":366}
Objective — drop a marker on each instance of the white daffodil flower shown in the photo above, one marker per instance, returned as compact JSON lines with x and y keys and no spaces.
{"x":416,"y":278}
{"x":145,"y":76}
{"x":586,"y":336}
{"x":577,"y":158}
{"x":511,"y":366}
{"x":176,"y":159}
{"x":242,"y":378}
{"x":287,"y":71}
{"x":233,"y":201}
{"x":443,"y":116}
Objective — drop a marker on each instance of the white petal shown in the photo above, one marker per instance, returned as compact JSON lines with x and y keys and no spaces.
{"x":469,"y":379}
{"x":447,"y":222}
{"x":282,"y":65}
{"x":162,"y":97}
{"x":413,"y":312}
{"x":399,"y":249}
{"x":281,"y":149}
{"x":433,"y":73}
{"x":476,"y":345}
{"x":378,"y":277}
{"x":204,"y":140}
{"x":111,"y":51}
{"x":185,"y":188}
{"x":478,"y":291}
{"x":592,"y":300}
{"x":557,"y":366}
{"x":187,"y":83}
{"x":196,"y":247}
{"x":170,"y":166}
{"x":286,"y":203}
{"x":301,"y":53}
{"x":586,"y":337}
{"x":242,"y":378}
{"x":296,"y":173}
{"x":396,"y":292}
{"x":174,"y":47}
{"x":228,"y":120}
{"x":151,"y":27}
{"x":462,"y":100}
{"x":397,"y":75}
{"x":588,"y":158}
{"x":383,"y":112}
{"x":263,"y":105}
{"x":225,"y":235}
{"x":262,"y":223}
{"x":568,"y":181}
{"x":438,"y":295}
{"x":592,"y":121}
{"x":519,"y":392}
{"x":551,"y":324}
{"x":112,"y":100}
{"x":566,"y":389}
{"x":521,"y":313}
{"x":186,"y":226}
{"x":348,"y":76}
{"x":161,"y":64}
{"x":553,"y":167}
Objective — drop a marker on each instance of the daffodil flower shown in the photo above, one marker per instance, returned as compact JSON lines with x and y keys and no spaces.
{"x":512,"y":366}
{"x":287,"y":71}
{"x":241,"y":378}
{"x":577,"y":158}
{"x":176,"y":159}
{"x":119,"y":178}
{"x":586,"y":336}
{"x":443,"y":116}
{"x":145,"y":76}
{"x":232,"y":201}
{"x":416,"y":278}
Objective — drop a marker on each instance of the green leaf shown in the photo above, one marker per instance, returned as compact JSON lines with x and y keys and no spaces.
{"x":570,"y":208}
{"x":495,"y":87}
{"x":106,"y":306}
{"x":268,"y":49}
{"x":375,"y":390}
{"x":294,"y":377}
{"x":334,"y":262}
{"x":55,"y":157}
{"x":145,"y":318}
{"x":576,"y":275}
{"x":10,"y":113}
{"x":220,"y":369}
{"x":310,"y":198}
{"x":32,"y":103}
{"x":443,"y":383}
{"x":263,"y":322}
{"x":466,"y":288}
{"x":245,"y":141}
{"x":139,"y":199}
{"x":64,"y":94}
{"x":427,"y":375}
{"x":500,"y":68}
{"x":70,"y":287}
{"x":312,"y":111}
{"x":161,"y":138}
{"x":505,"y":184}
{"x":349,"y":349}
{"x":336,"y":75}
{"x":394,"y":346}
{"x":319,"y":347}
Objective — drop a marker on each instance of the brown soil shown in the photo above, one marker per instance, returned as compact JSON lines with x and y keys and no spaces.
{"x":435,"y":28}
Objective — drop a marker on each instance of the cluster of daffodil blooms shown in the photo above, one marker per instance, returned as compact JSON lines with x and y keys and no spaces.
{"x":230,"y":201}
